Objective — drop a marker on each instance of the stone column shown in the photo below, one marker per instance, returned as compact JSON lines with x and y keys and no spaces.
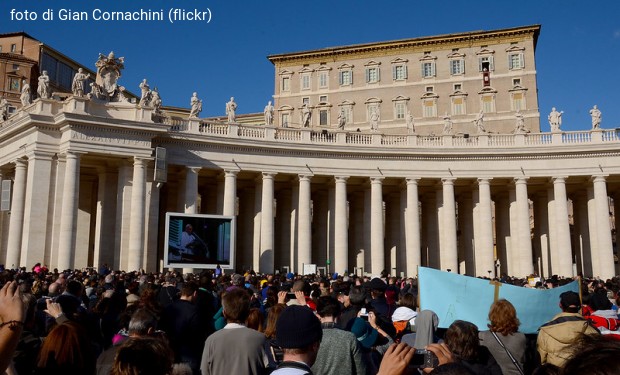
{"x":553,"y":236}
{"x":106,"y":209}
{"x":541,"y":227}
{"x":190,"y":198}
{"x":565,"y":255}
{"x":68,"y":219}
{"x":16,"y":220}
{"x":412,"y":221}
{"x":583,"y":220}
{"x":465,"y":243}
{"x":502,"y":229}
{"x":524,"y":238}
{"x":266,"y":262}
{"x":304,"y":225}
{"x":341,"y":227}
{"x":484,"y":246}
{"x":137,"y":219}
{"x":604,"y":248}
{"x":230,"y":192}
{"x":448,"y":249}
{"x":34,"y":237}
{"x":191,"y":190}
{"x":377,"y":254}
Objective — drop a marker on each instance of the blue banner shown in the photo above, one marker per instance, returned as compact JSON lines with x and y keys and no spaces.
{"x":457,"y":297}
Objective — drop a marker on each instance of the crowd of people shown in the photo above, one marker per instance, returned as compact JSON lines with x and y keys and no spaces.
{"x":100,"y":321}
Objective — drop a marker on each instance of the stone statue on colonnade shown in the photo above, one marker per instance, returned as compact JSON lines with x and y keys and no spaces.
{"x":410,"y":123}
{"x":596,"y":117}
{"x":196,"y":106}
{"x":479,"y":122}
{"x":25,"y":97}
{"x":305,"y":116}
{"x":4,"y":109}
{"x":231,"y":107}
{"x":268,"y":112}
{"x":555,"y":120}
{"x":43,"y":87}
{"x":520,"y":124}
{"x":79,"y":79}
{"x":447,"y":124}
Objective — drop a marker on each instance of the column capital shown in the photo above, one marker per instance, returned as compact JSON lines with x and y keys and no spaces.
{"x":269,"y":175}
{"x":193,"y":169}
{"x":341,"y":179}
{"x":231,"y":172}
{"x":484,"y":180}
{"x":448,"y":180}
{"x":376,"y":180}
{"x":520,"y":180}
{"x":39,"y":154}
{"x":304,"y":177}
{"x":559,"y":179}
{"x":599,"y":178}
{"x":412,"y":180}
{"x":20,"y":163}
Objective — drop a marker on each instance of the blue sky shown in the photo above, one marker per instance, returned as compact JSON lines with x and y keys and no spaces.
{"x":577,"y":54}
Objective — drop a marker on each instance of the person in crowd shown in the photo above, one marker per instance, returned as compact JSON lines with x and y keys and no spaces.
{"x":12,"y":317}
{"x":274,"y":352}
{"x":302,"y":286}
{"x":184,"y":328}
{"x":556,"y":337}
{"x":404,"y":316}
{"x":462,"y":340}
{"x":66,"y":350}
{"x":374,"y":340}
{"x":340,"y":352}
{"x":143,"y":355}
{"x":255,"y":320}
{"x":379,"y":302}
{"x":222,"y":353}
{"x":299,"y":334}
{"x":503,"y":337}
{"x":27,"y":350}
{"x":357,"y":300}
{"x":426,"y":324}
{"x":142,"y":324}
{"x":594,"y":354}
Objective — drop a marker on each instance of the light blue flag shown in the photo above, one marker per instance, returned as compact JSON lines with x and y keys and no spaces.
{"x":457,"y":297}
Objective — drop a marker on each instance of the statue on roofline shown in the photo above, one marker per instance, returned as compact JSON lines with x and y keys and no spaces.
{"x":106,"y":83}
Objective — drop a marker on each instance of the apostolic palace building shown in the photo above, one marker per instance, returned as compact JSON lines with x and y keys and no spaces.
{"x":381,"y":156}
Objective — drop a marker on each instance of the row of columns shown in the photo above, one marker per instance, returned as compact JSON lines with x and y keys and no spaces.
{"x":39,"y":186}
{"x":30,"y":203}
{"x":518,"y":252}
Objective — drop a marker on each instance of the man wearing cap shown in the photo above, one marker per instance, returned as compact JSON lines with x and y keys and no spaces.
{"x":299,"y":334}
{"x":556,"y":337}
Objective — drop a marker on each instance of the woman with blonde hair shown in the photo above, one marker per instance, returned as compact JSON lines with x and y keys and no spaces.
{"x":503,"y":339}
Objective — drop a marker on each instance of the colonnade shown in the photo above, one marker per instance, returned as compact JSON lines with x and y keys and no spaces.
{"x":477,"y":226}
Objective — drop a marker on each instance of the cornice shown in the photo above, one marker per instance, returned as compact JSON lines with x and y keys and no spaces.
{"x":401,"y":46}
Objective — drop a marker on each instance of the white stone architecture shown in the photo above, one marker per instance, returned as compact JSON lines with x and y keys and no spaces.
{"x":82,"y":191}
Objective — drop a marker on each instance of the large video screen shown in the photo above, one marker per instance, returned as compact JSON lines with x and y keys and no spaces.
{"x":199,"y":241}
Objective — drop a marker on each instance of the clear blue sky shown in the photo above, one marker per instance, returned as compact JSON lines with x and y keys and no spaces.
{"x":577,"y":55}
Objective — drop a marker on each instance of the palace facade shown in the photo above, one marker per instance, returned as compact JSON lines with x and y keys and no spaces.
{"x":81,"y":189}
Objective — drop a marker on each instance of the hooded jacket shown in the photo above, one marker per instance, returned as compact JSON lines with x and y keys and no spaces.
{"x":556,"y":337}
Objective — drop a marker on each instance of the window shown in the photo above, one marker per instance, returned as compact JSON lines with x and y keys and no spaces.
{"x":400,"y":110}
{"x":323,"y":78}
{"x":516,"y":81}
{"x":457,"y":67}
{"x":372,"y":74}
{"x":346,"y":108}
{"x":285,"y":120}
{"x":458,"y":106}
{"x":515,"y":61}
{"x":518,"y":101}
{"x":323,"y":99}
{"x":488,"y":103}
{"x":65,"y":76}
{"x":286,"y":83}
{"x":428,"y":69}
{"x":346,"y":77}
{"x":14,"y":84}
{"x":485,"y":62}
{"x":458,"y":87}
{"x":305,"y":81}
{"x":305,"y":101}
{"x":399,"y":72}
{"x":13,"y":48}
{"x":323,"y":120}
{"x":429,"y":108}
{"x":429,"y":89}
{"x":371,"y":107}
{"x":50,"y":64}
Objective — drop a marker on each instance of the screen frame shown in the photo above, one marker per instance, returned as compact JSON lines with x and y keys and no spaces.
{"x":200,"y":218}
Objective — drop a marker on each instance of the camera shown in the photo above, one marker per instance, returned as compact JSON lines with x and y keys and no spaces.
{"x":424,"y":359}
{"x":364,"y":313}
{"x":291,"y":295}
